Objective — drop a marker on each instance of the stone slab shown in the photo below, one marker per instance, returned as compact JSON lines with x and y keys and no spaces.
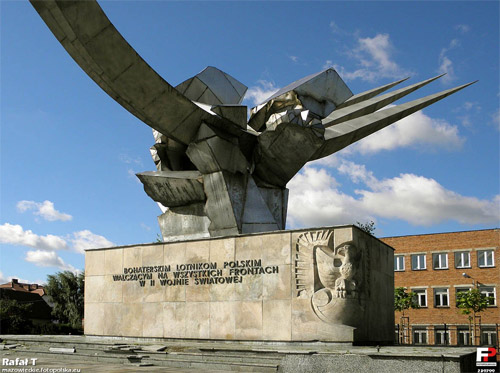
{"x":331,"y":284}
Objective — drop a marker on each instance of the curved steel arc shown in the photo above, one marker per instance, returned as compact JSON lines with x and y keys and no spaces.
{"x":96,"y":45}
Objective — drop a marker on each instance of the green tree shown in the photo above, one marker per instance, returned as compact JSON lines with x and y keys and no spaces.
{"x":404,"y":300}
{"x":368,"y":227}
{"x":470,"y":303}
{"x":14,"y":318}
{"x":66,"y":292}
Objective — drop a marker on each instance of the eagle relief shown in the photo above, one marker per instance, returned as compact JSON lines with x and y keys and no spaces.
{"x":334,"y":279}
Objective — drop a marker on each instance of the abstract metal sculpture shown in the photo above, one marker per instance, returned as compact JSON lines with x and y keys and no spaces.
{"x":218,"y":174}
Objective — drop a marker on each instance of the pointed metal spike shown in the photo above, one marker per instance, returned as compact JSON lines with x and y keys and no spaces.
{"x":366,"y":95}
{"x":372,"y":105}
{"x":346,"y":133}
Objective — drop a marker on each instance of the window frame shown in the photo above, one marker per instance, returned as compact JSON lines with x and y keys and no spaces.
{"x":440,"y":293}
{"x":420,"y":332}
{"x":396,"y":261}
{"x":461,"y":254}
{"x":466,"y":333}
{"x":417,"y":268}
{"x":485,"y":252}
{"x":445,"y":337}
{"x":440,"y":264}
{"x":418,"y":293}
{"x":488,"y":335}
{"x":494,"y":293}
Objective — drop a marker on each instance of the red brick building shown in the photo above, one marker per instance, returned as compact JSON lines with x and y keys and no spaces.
{"x":438,"y":266}
{"x":34,"y":294}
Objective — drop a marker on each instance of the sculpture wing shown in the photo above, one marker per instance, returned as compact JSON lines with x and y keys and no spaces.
{"x":284,"y":149}
{"x":305,"y":262}
{"x":304,"y":268}
{"x":342,"y":134}
{"x":94,"y":43}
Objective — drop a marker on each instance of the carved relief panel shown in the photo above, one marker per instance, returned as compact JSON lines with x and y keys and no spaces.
{"x":333,"y":278}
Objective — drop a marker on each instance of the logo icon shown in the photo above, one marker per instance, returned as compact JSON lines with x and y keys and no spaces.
{"x":486,"y":360}
{"x":486,"y":354}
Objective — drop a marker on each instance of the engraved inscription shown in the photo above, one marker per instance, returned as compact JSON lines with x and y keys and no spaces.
{"x":203,"y":273}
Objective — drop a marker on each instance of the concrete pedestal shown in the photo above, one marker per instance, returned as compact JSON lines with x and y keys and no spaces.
{"x":331,"y":284}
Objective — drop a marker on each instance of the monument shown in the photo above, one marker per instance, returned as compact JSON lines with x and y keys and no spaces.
{"x":227,"y":268}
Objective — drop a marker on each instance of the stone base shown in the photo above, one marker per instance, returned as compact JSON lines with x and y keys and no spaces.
{"x":329,"y":284}
{"x":103,"y":354}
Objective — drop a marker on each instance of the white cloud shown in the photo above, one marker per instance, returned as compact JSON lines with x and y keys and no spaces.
{"x":145,"y":226}
{"x":44,"y":209}
{"x":423,"y":201}
{"x":357,"y":173}
{"x":335,"y":28}
{"x":468,"y":105}
{"x":129,"y":160}
{"x":42,"y":258}
{"x":16,"y":235}
{"x":4,"y":279}
{"x":463,"y":29}
{"x":316,"y":199}
{"x":417,"y":129}
{"x":495,"y":117}
{"x":469,"y":110}
{"x":294,"y":58}
{"x":446,"y":64}
{"x":329,"y":63}
{"x":258,"y":94}
{"x":446,"y":67}
{"x":84,"y":240}
{"x":132,"y":174}
{"x":374,"y":57}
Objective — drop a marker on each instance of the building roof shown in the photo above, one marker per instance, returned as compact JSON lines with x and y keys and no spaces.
{"x":438,"y":233}
{"x":39,"y":308}
{"x":15,"y":285}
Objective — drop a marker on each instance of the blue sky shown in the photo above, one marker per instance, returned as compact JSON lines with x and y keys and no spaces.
{"x":69,"y":152}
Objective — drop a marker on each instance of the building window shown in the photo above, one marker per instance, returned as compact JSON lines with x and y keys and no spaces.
{"x":440,"y":261}
{"x":462,"y":259}
{"x":421,"y":297}
{"x":441,"y":337}
{"x":488,"y":336}
{"x":399,"y":263}
{"x":485,"y":258}
{"x":490,"y":292}
{"x":463,"y":336}
{"x":441,"y":297}
{"x":418,"y":262}
{"x":419,"y":336}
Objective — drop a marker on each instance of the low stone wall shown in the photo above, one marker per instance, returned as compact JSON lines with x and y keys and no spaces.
{"x":330,"y":284}
{"x":419,"y":362}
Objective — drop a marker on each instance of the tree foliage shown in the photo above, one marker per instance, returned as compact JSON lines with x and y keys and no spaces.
{"x":66,"y":292}
{"x":368,"y":227}
{"x":14,"y":317}
{"x":404,"y":300}
{"x":472,"y":301}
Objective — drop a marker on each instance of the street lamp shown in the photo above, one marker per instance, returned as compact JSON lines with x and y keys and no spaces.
{"x":467,"y":276}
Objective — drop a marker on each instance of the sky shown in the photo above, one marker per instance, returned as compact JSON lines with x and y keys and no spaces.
{"x":69,"y":153}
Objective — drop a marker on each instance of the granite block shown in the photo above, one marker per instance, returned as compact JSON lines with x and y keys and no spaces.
{"x":248,"y":320}
{"x":197,"y":316}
